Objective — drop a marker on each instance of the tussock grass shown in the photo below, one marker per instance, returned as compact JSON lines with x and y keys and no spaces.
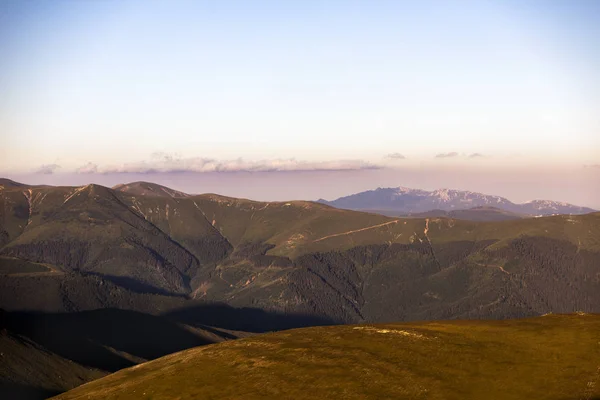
{"x":549,"y":357}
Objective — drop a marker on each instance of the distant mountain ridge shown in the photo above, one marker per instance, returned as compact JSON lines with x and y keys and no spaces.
{"x":148,"y":189}
{"x":404,"y":200}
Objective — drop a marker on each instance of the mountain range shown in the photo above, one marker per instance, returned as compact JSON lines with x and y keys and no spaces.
{"x":141,"y":240}
{"x":207,"y":268}
{"x":404,"y":201}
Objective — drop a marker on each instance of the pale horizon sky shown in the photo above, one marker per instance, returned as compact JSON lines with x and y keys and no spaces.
{"x":496,"y":95}
{"x":580,"y":187}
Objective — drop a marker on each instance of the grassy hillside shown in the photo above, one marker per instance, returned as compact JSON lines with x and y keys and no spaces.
{"x":550,"y":357}
{"x":292,"y":228}
{"x":148,"y":189}
{"x":470,"y":214}
{"x":296,"y":228}
{"x":91,"y":229}
{"x":95,"y":247}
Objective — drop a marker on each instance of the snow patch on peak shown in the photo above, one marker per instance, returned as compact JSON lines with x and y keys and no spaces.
{"x":403,"y":190}
{"x":443,"y":194}
{"x":539,"y":204}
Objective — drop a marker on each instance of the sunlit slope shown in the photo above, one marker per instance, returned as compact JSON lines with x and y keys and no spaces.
{"x":91,"y":229}
{"x":299,"y":227}
{"x":22,"y":207}
{"x":581,"y":230}
{"x":296,"y":228}
{"x":469,"y":214}
{"x":292,"y":228}
{"x":550,"y":357}
{"x":183,"y":221}
{"x":148,"y":189}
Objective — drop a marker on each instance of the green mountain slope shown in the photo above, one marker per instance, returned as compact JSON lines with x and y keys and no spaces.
{"x":92,"y":229}
{"x":550,"y":357}
{"x":150,"y":253}
{"x":483,"y":213}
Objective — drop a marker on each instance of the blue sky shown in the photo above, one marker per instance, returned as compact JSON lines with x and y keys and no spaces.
{"x":137,"y":86}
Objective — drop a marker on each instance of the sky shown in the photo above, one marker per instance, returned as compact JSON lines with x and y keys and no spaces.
{"x":275,"y":100}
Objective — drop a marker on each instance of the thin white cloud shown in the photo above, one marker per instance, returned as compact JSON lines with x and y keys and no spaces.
{"x":396,"y":156}
{"x":47,"y":169}
{"x":163,"y":162}
{"x":447,"y":155}
{"x":476,"y":155}
{"x":89,"y":168}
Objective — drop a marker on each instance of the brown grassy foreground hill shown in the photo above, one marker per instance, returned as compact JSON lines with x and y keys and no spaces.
{"x":549,"y":357}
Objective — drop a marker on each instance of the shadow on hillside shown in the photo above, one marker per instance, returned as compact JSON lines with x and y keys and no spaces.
{"x":112,"y":339}
{"x":244,"y":319}
{"x":134,"y":285}
{"x":99,"y":338}
{"x":13,"y":391}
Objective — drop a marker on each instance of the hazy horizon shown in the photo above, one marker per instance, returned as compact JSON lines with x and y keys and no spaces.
{"x":312,"y":185}
{"x":272,"y":101}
